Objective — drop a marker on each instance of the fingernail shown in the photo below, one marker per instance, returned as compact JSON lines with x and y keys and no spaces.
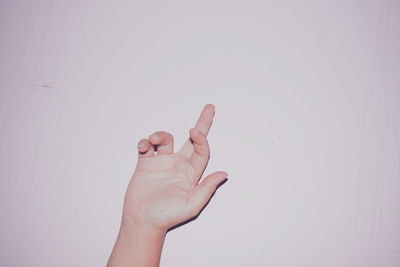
{"x":141,"y":145}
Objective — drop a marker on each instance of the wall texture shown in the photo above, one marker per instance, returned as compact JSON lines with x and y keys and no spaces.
{"x":307,"y":97}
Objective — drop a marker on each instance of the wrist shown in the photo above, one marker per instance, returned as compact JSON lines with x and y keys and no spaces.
{"x":133,"y":226}
{"x":137,"y":245}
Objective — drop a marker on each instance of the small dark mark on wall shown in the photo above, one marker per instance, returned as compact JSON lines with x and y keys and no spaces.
{"x":43,"y":85}
{"x":48,"y":86}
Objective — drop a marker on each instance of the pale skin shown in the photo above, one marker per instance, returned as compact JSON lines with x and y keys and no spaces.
{"x":164,"y":191}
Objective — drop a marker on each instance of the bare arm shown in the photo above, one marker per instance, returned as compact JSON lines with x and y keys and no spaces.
{"x":165,"y":190}
{"x":137,"y":245}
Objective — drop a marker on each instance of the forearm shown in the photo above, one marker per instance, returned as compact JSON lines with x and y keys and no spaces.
{"x":137,"y":245}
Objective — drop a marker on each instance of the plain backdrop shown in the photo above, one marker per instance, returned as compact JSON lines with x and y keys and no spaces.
{"x":307,"y":125}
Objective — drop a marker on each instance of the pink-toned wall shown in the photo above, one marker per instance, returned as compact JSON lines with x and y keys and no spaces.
{"x":307,"y":97}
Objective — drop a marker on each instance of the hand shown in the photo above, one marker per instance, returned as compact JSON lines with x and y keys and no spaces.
{"x":164,"y":189}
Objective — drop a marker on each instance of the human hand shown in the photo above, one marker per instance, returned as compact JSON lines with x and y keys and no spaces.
{"x":164,"y":189}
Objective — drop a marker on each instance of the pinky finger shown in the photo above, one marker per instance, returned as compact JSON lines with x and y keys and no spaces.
{"x":145,"y":149}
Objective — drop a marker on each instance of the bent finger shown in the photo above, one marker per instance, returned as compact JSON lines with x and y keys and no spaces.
{"x":145,"y":148}
{"x":164,"y":142}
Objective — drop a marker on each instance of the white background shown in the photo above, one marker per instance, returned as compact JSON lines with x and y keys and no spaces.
{"x":307,"y":125}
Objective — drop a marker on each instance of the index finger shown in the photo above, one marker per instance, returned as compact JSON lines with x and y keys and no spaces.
{"x":204,"y":122}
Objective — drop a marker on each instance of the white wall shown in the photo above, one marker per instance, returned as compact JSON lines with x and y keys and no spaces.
{"x":307,"y":125}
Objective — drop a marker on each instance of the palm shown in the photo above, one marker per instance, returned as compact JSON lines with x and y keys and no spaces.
{"x":166,"y":183}
{"x":164,"y":187}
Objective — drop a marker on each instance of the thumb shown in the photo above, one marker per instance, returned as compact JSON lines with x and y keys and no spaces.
{"x":205,"y":190}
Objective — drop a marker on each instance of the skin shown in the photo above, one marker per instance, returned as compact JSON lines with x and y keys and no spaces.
{"x":164,"y":191}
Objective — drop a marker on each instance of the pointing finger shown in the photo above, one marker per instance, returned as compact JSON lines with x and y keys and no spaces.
{"x":203,"y":124}
{"x":201,"y":152}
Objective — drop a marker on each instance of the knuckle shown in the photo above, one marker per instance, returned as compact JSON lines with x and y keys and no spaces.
{"x":164,"y":134}
{"x":142,"y":141}
{"x":207,"y":147}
